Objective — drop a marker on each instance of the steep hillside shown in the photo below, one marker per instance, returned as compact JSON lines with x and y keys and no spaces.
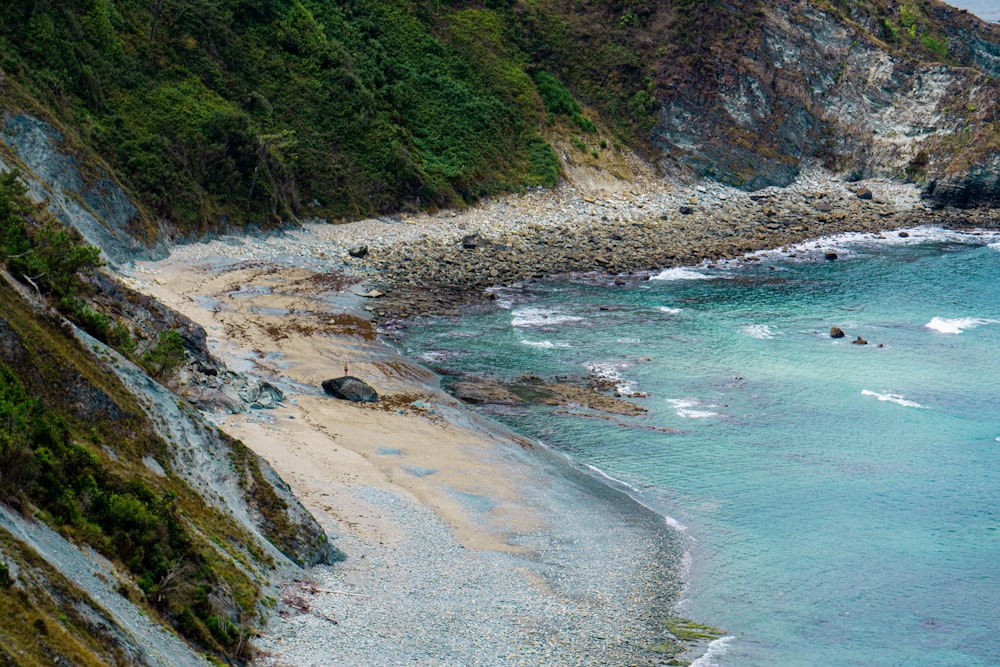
{"x":121,"y":511}
{"x":214,"y":113}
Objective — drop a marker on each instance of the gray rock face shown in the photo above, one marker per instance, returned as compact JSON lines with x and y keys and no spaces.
{"x":809,"y":82}
{"x":350,"y":388}
{"x":101,"y":211}
{"x":978,"y":187}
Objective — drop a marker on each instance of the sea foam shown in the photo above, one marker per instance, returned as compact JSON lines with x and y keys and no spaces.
{"x":609,"y":372}
{"x":684,"y":407}
{"x":760,"y":331}
{"x":715,"y":649}
{"x":669,"y":310}
{"x":892,"y":398}
{"x":539,"y":317}
{"x":544,"y":344}
{"x":681,"y":273}
{"x":956,"y":325}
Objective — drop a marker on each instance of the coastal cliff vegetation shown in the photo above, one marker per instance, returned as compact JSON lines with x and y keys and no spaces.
{"x":215,"y":113}
{"x":79,"y":454}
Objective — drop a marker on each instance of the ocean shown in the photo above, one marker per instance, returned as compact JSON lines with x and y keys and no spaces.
{"x":839,"y":503}
{"x":988,"y":10}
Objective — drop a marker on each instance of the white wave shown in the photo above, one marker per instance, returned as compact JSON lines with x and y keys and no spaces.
{"x":843,"y":244}
{"x":539,"y":317}
{"x":681,"y":273}
{"x":675,"y":524}
{"x":669,"y":310}
{"x":761,"y":331}
{"x":628,"y":341}
{"x":715,"y":649}
{"x":892,"y":398}
{"x":545,"y":344}
{"x":610,"y":372}
{"x":684,"y":407}
{"x":956,"y":325}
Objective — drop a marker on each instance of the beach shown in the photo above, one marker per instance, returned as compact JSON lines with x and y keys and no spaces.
{"x":465,"y":544}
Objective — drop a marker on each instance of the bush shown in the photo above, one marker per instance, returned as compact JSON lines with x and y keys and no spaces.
{"x":543,"y":163}
{"x":167,"y":355}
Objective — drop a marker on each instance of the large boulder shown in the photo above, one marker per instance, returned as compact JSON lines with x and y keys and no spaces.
{"x":350,"y":388}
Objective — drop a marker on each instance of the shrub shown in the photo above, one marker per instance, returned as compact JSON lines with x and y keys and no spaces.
{"x":166,"y":356}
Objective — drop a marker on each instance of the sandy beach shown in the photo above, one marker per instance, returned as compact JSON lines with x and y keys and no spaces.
{"x":465,"y":544}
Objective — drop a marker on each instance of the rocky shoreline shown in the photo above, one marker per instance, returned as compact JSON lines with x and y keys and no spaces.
{"x":455,"y":256}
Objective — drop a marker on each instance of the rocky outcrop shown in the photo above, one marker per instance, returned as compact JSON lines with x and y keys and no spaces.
{"x":350,"y":388}
{"x":812,"y":81}
{"x":195,"y":449}
{"x":977,"y":187}
{"x":95,"y":205}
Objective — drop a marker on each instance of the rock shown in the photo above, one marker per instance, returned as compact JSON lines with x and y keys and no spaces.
{"x":831,"y":255}
{"x":686,"y":210}
{"x":217,"y":401}
{"x":483,"y":391}
{"x":836,"y":332}
{"x":904,"y":235}
{"x":359,"y":250}
{"x":859,"y":341}
{"x":350,"y":388}
{"x":470,"y":242}
{"x":863,"y":193}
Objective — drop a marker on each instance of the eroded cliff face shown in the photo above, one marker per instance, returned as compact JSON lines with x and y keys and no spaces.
{"x":807,"y":81}
{"x":125,"y":517}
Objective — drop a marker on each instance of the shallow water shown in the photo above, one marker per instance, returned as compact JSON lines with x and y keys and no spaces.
{"x":840,"y":502}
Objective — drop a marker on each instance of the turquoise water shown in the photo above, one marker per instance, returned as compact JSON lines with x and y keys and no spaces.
{"x":840,"y":503}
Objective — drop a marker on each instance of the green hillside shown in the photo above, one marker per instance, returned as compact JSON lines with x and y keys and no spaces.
{"x":222,"y":112}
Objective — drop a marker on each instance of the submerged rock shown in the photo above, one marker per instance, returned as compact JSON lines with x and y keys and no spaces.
{"x":859,"y":341}
{"x":350,"y":388}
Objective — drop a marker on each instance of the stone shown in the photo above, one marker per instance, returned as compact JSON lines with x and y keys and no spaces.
{"x":359,"y":250}
{"x":863,"y":193}
{"x":904,"y":235}
{"x":830,"y":255}
{"x":470,"y":242}
{"x":477,"y":391}
{"x":859,"y":341}
{"x":686,"y":210}
{"x":836,"y":332}
{"x":350,"y":388}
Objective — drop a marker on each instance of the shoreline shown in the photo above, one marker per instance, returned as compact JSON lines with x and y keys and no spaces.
{"x":416,"y":498}
{"x":428,"y":488}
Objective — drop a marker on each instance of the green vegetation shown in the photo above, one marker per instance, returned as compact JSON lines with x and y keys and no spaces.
{"x":53,"y":456}
{"x":72,"y":442}
{"x":165,"y":356}
{"x":218,"y":111}
{"x":559,"y":101}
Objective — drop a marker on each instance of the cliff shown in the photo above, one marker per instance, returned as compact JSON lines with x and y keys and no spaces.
{"x":124,"y":516}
